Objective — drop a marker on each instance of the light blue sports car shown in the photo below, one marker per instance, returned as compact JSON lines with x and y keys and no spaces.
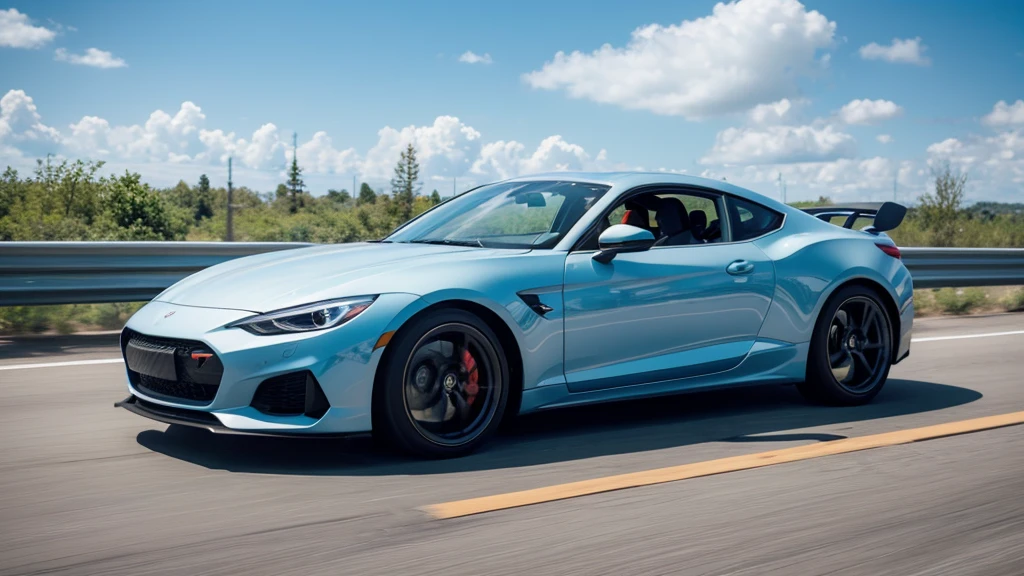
{"x":524,"y":295}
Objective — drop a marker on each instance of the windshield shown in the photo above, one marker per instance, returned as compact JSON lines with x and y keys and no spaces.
{"x":504,"y":215}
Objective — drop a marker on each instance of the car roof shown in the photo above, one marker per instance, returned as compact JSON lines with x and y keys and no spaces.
{"x":622,"y":181}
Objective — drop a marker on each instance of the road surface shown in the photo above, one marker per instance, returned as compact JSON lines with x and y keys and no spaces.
{"x":88,"y":489}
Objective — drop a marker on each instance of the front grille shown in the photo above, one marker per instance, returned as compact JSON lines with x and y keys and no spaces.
{"x":196,"y":381}
{"x":290,"y":394}
{"x":180,"y":390}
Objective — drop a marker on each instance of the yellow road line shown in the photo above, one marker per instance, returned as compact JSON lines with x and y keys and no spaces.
{"x":720,"y":466}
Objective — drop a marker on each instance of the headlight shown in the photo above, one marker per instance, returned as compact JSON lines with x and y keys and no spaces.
{"x":306,"y":318}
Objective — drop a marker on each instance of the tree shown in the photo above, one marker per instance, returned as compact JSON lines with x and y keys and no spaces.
{"x":435,"y":197}
{"x":138,"y":211}
{"x":366,"y":195}
{"x":940,"y":211}
{"x":405,"y":185}
{"x":204,"y":200}
{"x":340,"y":196}
{"x":295,"y":187}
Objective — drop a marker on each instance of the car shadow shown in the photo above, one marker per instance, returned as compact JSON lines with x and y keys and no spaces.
{"x":751,"y":414}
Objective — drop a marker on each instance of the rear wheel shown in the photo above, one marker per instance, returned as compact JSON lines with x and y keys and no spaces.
{"x":444,"y":386}
{"x":851,"y":349}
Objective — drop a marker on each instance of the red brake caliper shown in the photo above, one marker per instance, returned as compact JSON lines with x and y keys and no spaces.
{"x":472,"y":386}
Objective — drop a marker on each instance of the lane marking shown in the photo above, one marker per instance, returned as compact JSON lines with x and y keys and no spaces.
{"x":471,"y":506}
{"x":963,"y":336}
{"x":59,"y":364}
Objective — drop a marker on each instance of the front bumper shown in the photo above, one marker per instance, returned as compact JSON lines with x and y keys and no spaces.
{"x":342,"y":360}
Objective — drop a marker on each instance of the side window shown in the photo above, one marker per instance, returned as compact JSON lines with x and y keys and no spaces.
{"x":751,"y":220}
{"x":675,"y":218}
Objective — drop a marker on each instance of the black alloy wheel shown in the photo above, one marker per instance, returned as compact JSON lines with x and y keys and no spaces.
{"x":444,"y":385}
{"x":851,"y":349}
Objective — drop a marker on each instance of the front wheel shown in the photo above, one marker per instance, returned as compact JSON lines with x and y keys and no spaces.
{"x":444,"y":386}
{"x":851,"y":349}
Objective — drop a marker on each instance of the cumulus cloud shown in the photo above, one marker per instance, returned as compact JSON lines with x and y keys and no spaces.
{"x":470,"y":57}
{"x":775,"y":112}
{"x":501,"y":159}
{"x":910,"y":51}
{"x":745,"y":53}
{"x":869,"y":111}
{"x":994,"y":164}
{"x":842,"y":179}
{"x":161,"y":135}
{"x":883,"y":138}
{"x":447,"y":148}
{"x":93,"y":57}
{"x":1004,"y":114}
{"x":779,"y":144}
{"x":17,"y":31}
{"x":20,"y":121}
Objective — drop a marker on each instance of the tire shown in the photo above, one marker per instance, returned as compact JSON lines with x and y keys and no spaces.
{"x":851,"y":349}
{"x":443,"y":386}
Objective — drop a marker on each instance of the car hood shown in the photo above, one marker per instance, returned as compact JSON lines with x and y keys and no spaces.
{"x":277,"y":280}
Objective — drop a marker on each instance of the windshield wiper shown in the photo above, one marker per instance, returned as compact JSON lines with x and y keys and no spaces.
{"x":446,"y":242}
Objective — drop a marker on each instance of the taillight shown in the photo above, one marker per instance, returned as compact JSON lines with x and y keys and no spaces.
{"x":890,"y":250}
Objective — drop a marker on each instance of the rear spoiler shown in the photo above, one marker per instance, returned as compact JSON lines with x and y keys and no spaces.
{"x":885,"y":215}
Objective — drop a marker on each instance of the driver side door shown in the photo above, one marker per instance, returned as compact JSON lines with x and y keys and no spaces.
{"x":668,"y":313}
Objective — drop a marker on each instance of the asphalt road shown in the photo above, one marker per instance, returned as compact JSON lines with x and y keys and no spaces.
{"x":87,"y":489}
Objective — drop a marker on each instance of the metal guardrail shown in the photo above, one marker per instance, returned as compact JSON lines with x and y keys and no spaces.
{"x":91,"y":272}
{"x":88,"y":272}
{"x":954,"y":267}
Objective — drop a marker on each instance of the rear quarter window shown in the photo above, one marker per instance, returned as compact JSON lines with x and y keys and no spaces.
{"x":750,"y":220}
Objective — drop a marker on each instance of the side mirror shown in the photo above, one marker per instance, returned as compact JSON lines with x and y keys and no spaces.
{"x":622,"y":238}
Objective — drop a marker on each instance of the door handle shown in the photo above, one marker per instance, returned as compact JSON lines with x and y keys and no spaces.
{"x":740,"y":267}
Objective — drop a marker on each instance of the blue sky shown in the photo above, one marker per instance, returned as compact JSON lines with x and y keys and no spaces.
{"x":358,"y":81}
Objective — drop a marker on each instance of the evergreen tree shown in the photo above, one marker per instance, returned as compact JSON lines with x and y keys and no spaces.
{"x":366,"y":195}
{"x":204,"y":199}
{"x":405,"y":184}
{"x":295,"y":186}
{"x":435,"y":197}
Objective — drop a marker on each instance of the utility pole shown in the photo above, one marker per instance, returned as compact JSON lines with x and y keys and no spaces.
{"x":453,"y":187}
{"x":231,"y":207}
{"x":782,"y":188}
{"x":354,"y":191}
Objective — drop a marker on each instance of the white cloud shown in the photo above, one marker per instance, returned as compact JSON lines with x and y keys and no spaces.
{"x":1004,"y":114}
{"x":775,"y":112}
{"x":869,"y":111}
{"x":779,"y":144}
{"x":884,"y":138}
{"x":500,"y":160}
{"x":994,"y":164}
{"x":909,"y":51}
{"x":845,"y":179}
{"x":470,"y":57}
{"x":93,"y":57}
{"x":20,"y":122}
{"x":17,"y":31}
{"x":745,"y":53}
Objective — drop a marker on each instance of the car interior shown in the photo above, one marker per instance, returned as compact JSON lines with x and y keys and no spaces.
{"x":669,"y":217}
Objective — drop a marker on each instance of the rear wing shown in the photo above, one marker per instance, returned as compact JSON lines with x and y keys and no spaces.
{"x":885,"y":216}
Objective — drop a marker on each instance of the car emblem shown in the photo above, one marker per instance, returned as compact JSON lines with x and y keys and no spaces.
{"x":449,"y":382}
{"x":169,"y":314}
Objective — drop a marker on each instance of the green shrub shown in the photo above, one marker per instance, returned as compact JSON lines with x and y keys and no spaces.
{"x":1014,"y":301}
{"x":960,"y":300}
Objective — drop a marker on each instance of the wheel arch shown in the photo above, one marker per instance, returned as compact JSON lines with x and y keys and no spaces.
{"x":507,"y":339}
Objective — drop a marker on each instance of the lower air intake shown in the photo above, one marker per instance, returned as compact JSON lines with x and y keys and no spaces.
{"x":292,"y":394}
